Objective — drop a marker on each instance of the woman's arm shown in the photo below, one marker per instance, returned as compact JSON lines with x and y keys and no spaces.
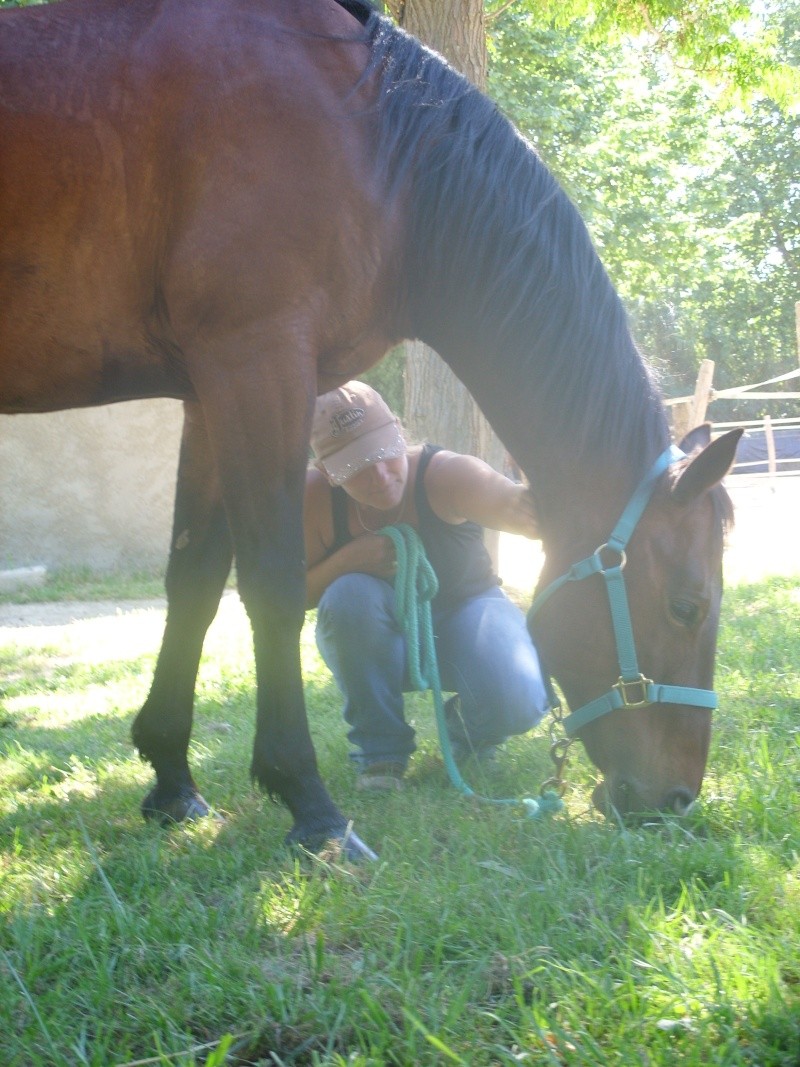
{"x":464,"y":488}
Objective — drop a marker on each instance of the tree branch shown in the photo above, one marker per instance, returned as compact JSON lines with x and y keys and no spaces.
{"x":397,"y":10}
{"x":498,"y":11}
{"x":767,"y":214}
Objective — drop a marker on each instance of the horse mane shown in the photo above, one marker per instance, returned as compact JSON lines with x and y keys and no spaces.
{"x":501,"y":274}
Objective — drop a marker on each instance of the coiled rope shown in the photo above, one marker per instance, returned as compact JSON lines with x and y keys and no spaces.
{"x":415,"y":586}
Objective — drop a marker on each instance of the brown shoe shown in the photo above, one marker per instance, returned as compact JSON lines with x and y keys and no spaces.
{"x":382,"y":775}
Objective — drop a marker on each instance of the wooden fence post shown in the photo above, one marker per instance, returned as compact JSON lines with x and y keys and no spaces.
{"x":681,"y":419}
{"x":769,"y":436}
{"x":690,"y":413}
{"x":702,"y":392}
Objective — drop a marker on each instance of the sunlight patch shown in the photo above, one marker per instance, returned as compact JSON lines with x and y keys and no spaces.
{"x":60,"y":710}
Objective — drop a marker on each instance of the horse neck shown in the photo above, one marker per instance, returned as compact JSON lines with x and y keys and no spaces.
{"x":541,"y":340}
{"x":500,"y":276}
{"x":578,"y":508}
{"x":580,"y":487}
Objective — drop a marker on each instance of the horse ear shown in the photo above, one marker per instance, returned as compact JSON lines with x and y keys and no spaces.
{"x":699,"y":437}
{"x":707,"y":468}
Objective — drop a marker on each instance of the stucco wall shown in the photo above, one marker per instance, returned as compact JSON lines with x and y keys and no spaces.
{"x":91,"y":487}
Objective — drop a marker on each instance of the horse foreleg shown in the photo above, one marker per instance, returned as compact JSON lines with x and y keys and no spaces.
{"x":199,"y":563}
{"x":284,"y":762}
{"x":260,"y":435}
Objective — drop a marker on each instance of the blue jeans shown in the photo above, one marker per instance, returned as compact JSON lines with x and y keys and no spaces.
{"x":484,"y":651}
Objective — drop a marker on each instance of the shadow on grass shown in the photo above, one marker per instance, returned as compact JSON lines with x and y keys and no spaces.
{"x":56,"y":746}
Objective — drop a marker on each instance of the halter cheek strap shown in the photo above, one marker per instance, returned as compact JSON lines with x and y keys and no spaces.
{"x":632,"y":690}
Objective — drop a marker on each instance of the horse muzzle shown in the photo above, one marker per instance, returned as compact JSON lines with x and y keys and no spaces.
{"x":620,"y":797}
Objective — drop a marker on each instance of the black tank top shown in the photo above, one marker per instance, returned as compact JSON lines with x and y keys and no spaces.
{"x":456,"y":552}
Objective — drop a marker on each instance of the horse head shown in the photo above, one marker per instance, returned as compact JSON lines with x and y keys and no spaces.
{"x":629,"y":632}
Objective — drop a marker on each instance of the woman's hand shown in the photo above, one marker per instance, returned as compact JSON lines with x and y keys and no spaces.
{"x":370,"y":554}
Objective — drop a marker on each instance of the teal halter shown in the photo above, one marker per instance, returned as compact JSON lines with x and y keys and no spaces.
{"x":632,"y":690}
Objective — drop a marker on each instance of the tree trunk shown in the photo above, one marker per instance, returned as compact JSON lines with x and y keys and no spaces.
{"x":438,"y":407}
{"x":454,"y":28}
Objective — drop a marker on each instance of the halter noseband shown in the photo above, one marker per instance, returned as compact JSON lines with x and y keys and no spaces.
{"x":632,"y":690}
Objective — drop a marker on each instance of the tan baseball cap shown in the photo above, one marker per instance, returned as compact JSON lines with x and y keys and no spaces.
{"x":353,"y":426}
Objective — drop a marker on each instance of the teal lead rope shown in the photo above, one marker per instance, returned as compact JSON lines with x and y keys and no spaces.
{"x":415,"y":586}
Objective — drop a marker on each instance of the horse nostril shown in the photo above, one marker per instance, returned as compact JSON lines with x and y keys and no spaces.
{"x":679,"y":801}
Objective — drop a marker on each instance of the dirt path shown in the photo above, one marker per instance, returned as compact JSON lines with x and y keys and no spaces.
{"x":66,"y":612}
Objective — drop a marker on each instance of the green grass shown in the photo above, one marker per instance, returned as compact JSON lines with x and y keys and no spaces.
{"x":82,"y":583}
{"x":480,"y":937}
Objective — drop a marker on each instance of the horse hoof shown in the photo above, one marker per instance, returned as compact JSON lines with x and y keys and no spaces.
{"x":338,"y":845}
{"x":185,"y":807}
{"x":354,"y":849}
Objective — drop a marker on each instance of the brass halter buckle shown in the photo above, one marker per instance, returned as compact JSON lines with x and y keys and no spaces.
{"x":634,"y":691}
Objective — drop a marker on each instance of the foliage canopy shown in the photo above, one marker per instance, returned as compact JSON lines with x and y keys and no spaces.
{"x":691,"y":194}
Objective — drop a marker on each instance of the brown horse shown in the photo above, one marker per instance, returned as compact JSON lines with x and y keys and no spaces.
{"x":240,"y":203}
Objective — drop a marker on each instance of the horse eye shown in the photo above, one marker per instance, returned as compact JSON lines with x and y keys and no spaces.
{"x":684,"y":611}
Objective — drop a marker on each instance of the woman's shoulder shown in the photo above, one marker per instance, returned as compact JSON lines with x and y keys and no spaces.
{"x":458,"y":487}
{"x":317,"y":494}
{"x":445,"y":465}
{"x":316,"y":483}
